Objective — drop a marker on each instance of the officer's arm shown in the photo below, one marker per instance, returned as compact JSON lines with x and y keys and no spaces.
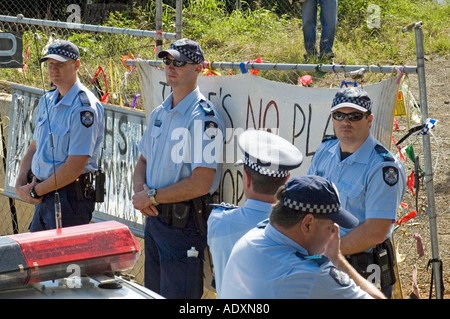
{"x":139,"y":174}
{"x":25,"y":166}
{"x":334,"y":252}
{"x":370,"y":233}
{"x":22,"y":188}
{"x":64,"y":175}
{"x":196,"y":185}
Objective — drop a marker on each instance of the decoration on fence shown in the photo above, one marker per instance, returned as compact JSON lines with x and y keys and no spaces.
{"x":406,"y":218}
{"x":26,"y":56}
{"x":243,"y":67}
{"x":95,"y":86}
{"x":415,"y":294}
{"x":305,"y":80}
{"x":134,"y":100}
{"x":130,"y":71}
{"x":420,"y":250}
{"x":208,"y":69}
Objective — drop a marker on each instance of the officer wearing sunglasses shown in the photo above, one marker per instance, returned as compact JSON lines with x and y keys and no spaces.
{"x":172,"y":193}
{"x":371,"y":184}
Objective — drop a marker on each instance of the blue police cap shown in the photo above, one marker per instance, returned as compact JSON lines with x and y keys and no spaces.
{"x":268,"y":154}
{"x":184,"y":50}
{"x":62,"y":51}
{"x":354,"y":97}
{"x":316,"y":195}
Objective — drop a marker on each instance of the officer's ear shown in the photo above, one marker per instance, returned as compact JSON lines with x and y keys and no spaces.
{"x":77,"y":64}
{"x":307,"y":223}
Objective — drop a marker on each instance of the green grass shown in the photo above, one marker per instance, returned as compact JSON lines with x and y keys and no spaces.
{"x":244,"y":35}
{"x":273,"y":32}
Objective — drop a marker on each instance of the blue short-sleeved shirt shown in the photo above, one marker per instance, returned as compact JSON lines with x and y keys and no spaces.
{"x":77,"y":125}
{"x":178,"y":140}
{"x":266,"y":264}
{"x":227,"y":226}
{"x":369,"y":185}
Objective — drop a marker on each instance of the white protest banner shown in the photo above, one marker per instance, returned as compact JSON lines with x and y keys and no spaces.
{"x":300,"y":115}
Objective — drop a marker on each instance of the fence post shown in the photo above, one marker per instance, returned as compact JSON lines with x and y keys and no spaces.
{"x":435,"y":261}
{"x":158,"y":18}
{"x":179,"y":19}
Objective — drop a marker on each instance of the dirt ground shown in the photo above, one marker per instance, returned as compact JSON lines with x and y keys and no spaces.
{"x":437,"y":72}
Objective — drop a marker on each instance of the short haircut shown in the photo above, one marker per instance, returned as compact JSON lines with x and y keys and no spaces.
{"x":287,"y":217}
{"x":263,"y":184}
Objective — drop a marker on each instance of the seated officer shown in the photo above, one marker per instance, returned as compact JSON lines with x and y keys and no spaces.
{"x":267,"y":161}
{"x":297,"y":254}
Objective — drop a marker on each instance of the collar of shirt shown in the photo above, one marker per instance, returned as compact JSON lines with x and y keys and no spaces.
{"x":70,"y":95}
{"x":254,"y":204}
{"x":281,"y":239}
{"x":184,"y":104}
{"x":362,"y":154}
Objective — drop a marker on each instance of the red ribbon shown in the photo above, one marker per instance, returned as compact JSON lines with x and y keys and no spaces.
{"x":105,"y":97}
{"x":406,"y":218}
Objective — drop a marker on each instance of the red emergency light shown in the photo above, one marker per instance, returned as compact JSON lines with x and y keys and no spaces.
{"x":94,"y":248}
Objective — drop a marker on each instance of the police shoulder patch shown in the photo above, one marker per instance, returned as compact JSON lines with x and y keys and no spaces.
{"x":87,"y":118}
{"x":390,"y":175}
{"x":339,"y":276}
{"x":210,"y":129}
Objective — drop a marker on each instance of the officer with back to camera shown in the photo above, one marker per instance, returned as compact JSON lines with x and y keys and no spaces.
{"x":63,"y":154}
{"x":268,"y":158}
{"x":296,"y":255}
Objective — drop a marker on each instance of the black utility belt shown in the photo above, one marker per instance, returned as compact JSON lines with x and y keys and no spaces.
{"x":381,"y":255}
{"x":89,"y":185}
{"x":178,"y":214}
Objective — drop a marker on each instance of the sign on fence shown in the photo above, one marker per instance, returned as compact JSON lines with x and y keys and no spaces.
{"x":301,"y":115}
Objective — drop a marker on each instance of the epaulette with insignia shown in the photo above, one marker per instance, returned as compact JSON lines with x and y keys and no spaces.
{"x":384,"y":153}
{"x":224,"y":205}
{"x":84,"y":98}
{"x":207,"y":108}
{"x":329,"y":138}
{"x":263,"y":224}
{"x":319,"y":259}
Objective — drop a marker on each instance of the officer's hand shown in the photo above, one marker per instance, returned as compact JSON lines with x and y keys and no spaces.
{"x":142,"y":202}
{"x":333,"y":247}
{"x":24,"y":192}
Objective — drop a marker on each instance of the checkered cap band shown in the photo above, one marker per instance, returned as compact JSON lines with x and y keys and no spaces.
{"x":60,"y":51}
{"x":187,"y":53}
{"x":311,"y":208}
{"x":354,"y":100}
{"x":264,"y":170}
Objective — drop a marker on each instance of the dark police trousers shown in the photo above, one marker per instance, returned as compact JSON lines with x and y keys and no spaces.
{"x":168,"y":270}
{"x":74,"y":212}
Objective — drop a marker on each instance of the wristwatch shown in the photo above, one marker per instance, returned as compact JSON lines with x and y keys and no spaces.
{"x":33,"y":193}
{"x":152,"y":193}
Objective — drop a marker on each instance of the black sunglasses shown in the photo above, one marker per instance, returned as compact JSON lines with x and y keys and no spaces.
{"x":353,"y":117}
{"x":176,"y":63}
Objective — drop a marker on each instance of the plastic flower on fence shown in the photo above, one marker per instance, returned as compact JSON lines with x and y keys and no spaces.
{"x":208,"y":70}
{"x":130,"y":56}
{"x":305,"y":80}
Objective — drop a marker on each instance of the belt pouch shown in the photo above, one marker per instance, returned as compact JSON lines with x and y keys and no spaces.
{"x":180,"y":214}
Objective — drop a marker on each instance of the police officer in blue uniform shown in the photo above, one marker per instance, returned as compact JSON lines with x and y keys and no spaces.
{"x":66,"y":145}
{"x":178,"y":170}
{"x":296,"y":254}
{"x":268,"y":158}
{"x":371,"y":184}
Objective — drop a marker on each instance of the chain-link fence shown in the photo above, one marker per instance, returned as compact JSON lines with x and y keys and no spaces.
{"x":103,"y":68}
